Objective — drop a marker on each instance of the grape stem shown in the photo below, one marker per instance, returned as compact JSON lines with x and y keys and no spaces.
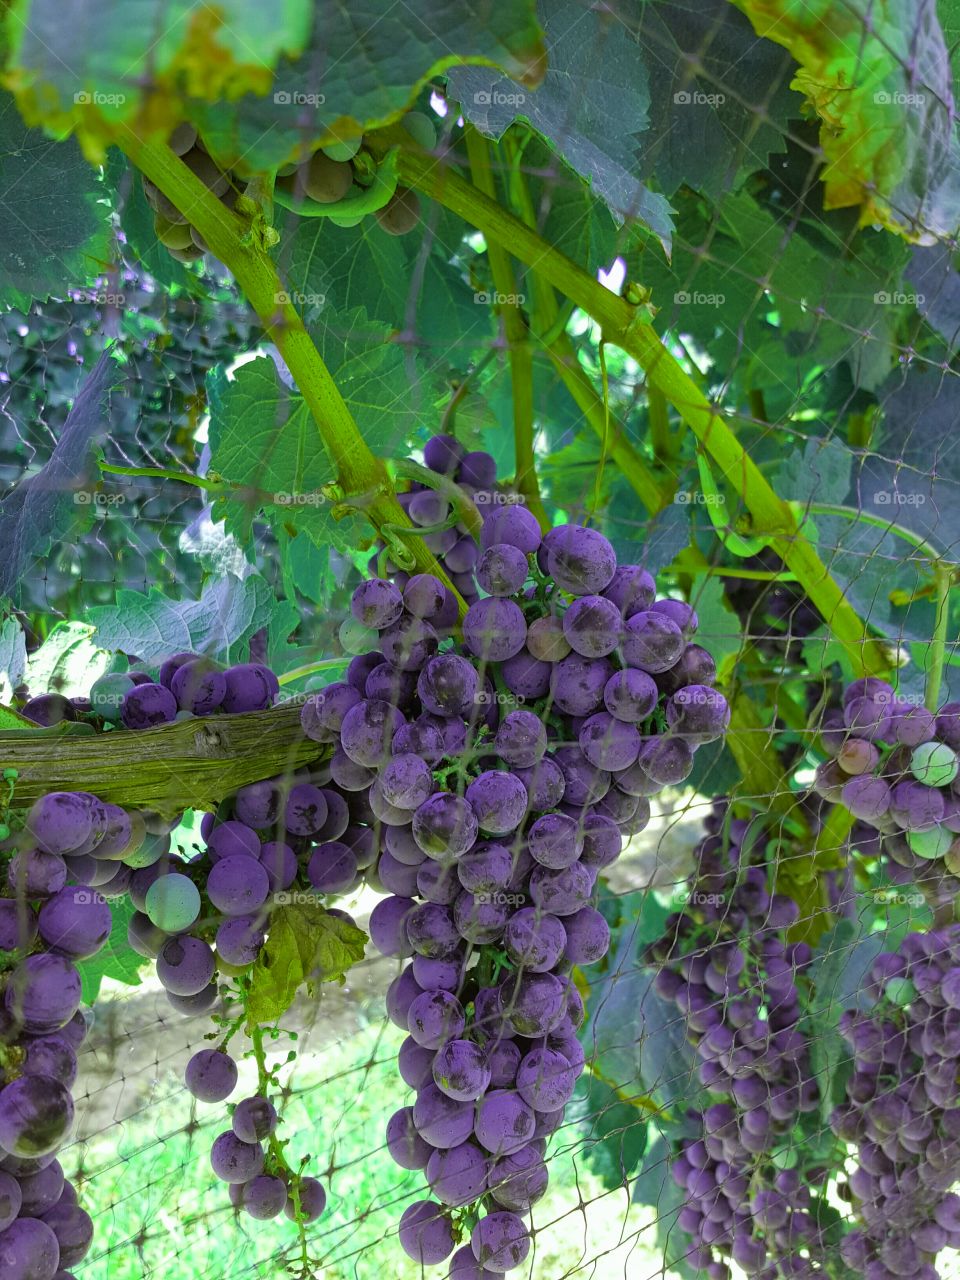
{"x":516,"y":332}
{"x":229,"y":239}
{"x":629,"y":327}
{"x":923,"y":545}
{"x":943,"y":576}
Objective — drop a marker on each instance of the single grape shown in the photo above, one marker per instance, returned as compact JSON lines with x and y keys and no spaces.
{"x":211,"y":1076}
{"x":235,"y":1161}
{"x":425,"y":1233}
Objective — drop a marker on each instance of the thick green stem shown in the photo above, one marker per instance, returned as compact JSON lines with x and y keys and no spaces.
{"x":517,"y":335}
{"x":629,"y":328}
{"x":943,"y":578}
{"x":662,"y":441}
{"x":236,"y":245}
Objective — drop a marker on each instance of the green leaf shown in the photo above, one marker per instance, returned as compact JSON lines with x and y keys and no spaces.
{"x":47,"y":506}
{"x":153,"y":626}
{"x":719,"y":630}
{"x":13,"y":657}
{"x":67,"y":662}
{"x":116,"y":960}
{"x":613,"y":1133}
{"x":596,"y":73}
{"x":305,"y":945}
{"x":53,"y":224}
{"x":365,"y":64}
{"x":820,"y":472}
{"x":119,"y":64}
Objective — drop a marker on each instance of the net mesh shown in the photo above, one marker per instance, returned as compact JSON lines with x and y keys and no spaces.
{"x":830,"y":347}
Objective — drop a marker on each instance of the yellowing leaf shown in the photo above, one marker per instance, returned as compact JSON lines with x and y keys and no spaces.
{"x":306,"y":944}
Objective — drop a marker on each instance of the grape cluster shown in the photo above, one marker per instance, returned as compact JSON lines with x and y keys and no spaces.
{"x":342,"y":172}
{"x":504,"y":771}
{"x":45,"y":928}
{"x":726,"y":965}
{"x":902,"y":1110}
{"x":173,"y":229}
{"x":895,"y":766}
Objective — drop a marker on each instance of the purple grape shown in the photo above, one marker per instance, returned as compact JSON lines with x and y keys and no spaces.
{"x":587,"y":937}
{"x":442,"y":1121}
{"x":447,"y":685}
{"x":11,"y":1197}
{"x":531,"y":1003}
{"x":409,"y":643}
{"x":263,"y":1197}
{"x":544,"y":782}
{"x":577,"y":684}
{"x":257,"y":805}
{"x":29,"y":1250}
{"x":42,"y":993}
{"x":579,"y":560}
{"x":203,"y":1002}
{"x":651,"y":642}
{"x":211,"y":1076}
{"x":280,"y":863}
{"x":235,"y":1161}
{"x":525,"y":676}
{"x":504,"y":1122}
{"x":61,"y":821}
{"x":36,"y":1115}
{"x":546,"y":1080}
{"x":477,"y":469}
{"x":239,"y":940}
{"x":630,"y":695}
{"x":464,"y":1266}
{"x":602,"y":841}
{"x":916,"y":807}
{"x":405,"y":1145}
{"x":494,"y":629}
{"x":435,"y":1017}
{"x":254,"y":1119}
{"x":867,"y":798}
{"x":401,"y":993}
{"x":445,"y":826}
{"x":332,"y":867}
{"x":185,"y":965}
{"x":533,"y":940}
{"x":561,"y":892}
{"x":367,"y":732}
{"x":698,"y":713}
{"x":377,"y":604}
{"x":458,"y":1176}
{"x":500,"y":1241}
{"x":424,"y":596}
{"x":668,"y":761}
{"x":313,"y":1201}
{"x":48,"y":709}
{"x":198,"y":687}
{"x":388,"y":926}
{"x":148,"y":705}
{"x":514,"y":525}
{"x":35,"y":874}
{"x":250,"y":686}
{"x":592,"y":626}
{"x":499,"y":801}
{"x":869,"y":715}
{"x":631,"y":589}
{"x":519,"y":1180}
{"x":460,"y":1070}
{"x":75,"y":922}
{"x":609,"y":743}
{"x":425,"y":1233}
{"x":502,"y":569}
{"x":237,"y":885}
{"x":415,"y":1063}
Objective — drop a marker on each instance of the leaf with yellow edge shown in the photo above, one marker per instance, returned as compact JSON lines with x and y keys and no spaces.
{"x":877,"y":74}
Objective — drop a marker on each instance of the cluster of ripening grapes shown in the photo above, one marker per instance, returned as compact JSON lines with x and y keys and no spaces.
{"x":895,"y":766}
{"x":725,"y":962}
{"x":902,"y":1110}
{"x":329,"y":176}
{"x":504,"y":771}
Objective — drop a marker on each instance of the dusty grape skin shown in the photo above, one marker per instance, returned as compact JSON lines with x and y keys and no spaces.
{"x":504,"y":1122}
{"x":519,"y":1180}
{"x":500,"y":1241}
{"x":521,"y":739}
{"x":43,"y":992}
{"x":425,"y":1235}
{"x":525,"y":676}
{"x":388,"y":926}
{"x":533,"y":940}
{"x":514,"y":525}
{"x":442,"y":1121}
{"x":211,"y":1076}
{"x":544,"y":782}
{"x":29,"y":1250}
{"x":447,"y":685}
{"x":499,"y":801}
{"x":434,"y":1017}
{"x":494,"y":629}
{"x":185,"y":965}
{"x":405,"y":1145}
{"x":458,"y":1176}
{"x":235,"y":1161}
{"x":36,"y":1114}
{"x":577,"y":683}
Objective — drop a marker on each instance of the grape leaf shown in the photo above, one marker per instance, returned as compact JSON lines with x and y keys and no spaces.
{"x":719,"y":629}
{"x":13,"y":657}
{"x":818,"y":473}
{"x":153,"y":626}
{"x":67,"y":662}
{"x":116,"y":960}
{"x":613,"y":1133}
{"x":364,"y":65}
{"x":880,"y":82}
{"x":595,"y":74}
{"x":116,"y":63}
{"x":937,"y":283}
{"x":53,"y":230}
{"x":46,"y":506}
{"x":305,"y":945}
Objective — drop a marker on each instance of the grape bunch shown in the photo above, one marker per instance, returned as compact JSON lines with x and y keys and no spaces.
{"x":343,"y":181}
{"x":902,"y":1109}
{"x":46,"y":926}
{"x":895,"y":767}
{"x":505,"y":770}
{"x":735,"y":981}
